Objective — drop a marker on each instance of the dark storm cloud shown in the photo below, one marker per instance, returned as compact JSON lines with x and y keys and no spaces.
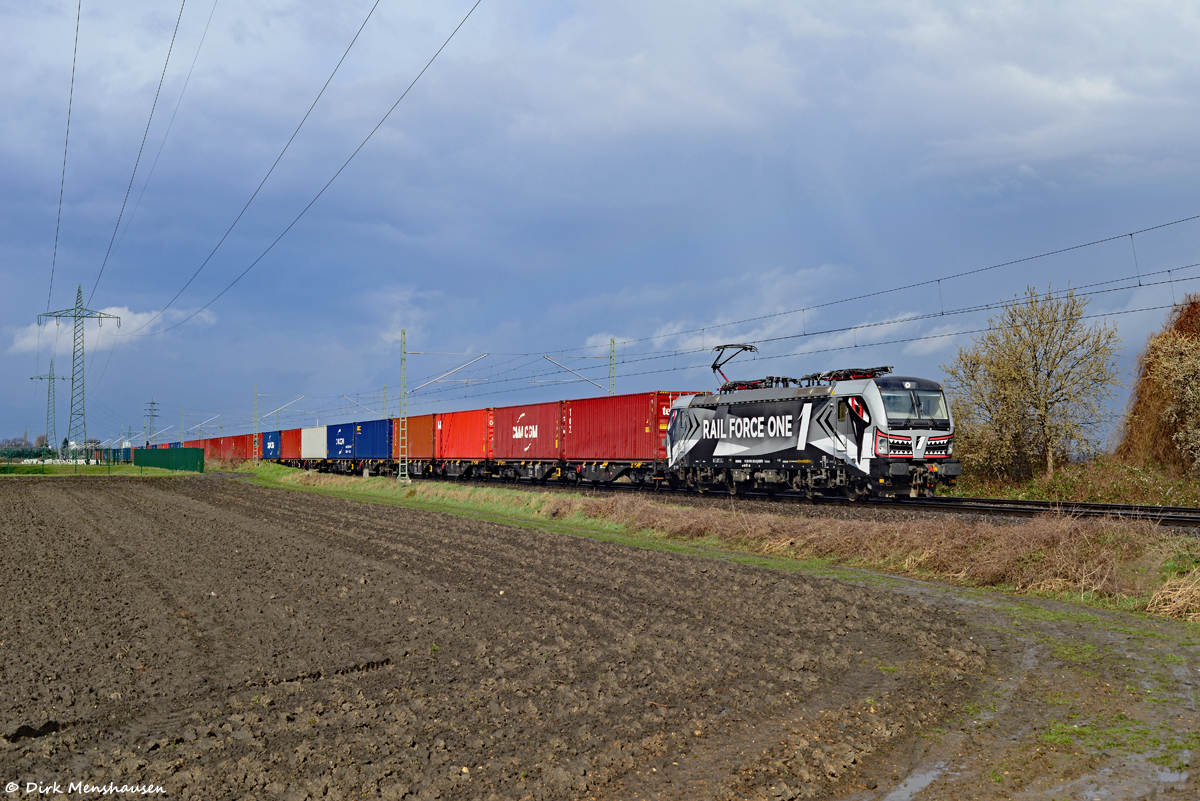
{"x":567,"y":173}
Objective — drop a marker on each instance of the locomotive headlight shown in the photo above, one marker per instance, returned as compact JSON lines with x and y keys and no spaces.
{"x":949,"y":447}
{"x":882,"y":448}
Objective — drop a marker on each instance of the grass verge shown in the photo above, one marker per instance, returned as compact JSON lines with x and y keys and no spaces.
{"x":1127,"y":565}
{"x":1104,"y":479}
{"x":86,"y":470}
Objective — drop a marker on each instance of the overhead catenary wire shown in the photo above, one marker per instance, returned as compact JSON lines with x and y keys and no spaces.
{"x":66,"y":139}
{"x":316,"y":197}
{"x":829,"y":349}
{"x":330,"y":410}
{"x":908,"y":319}
{"x":890,"y":290}
{"x":170,"y":125}
{"x":62,"y":183}
{"x":141,"y":147}
{"x":261,"y":183}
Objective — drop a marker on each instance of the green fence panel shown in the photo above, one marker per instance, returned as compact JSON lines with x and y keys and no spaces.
{"x":170,"y":458}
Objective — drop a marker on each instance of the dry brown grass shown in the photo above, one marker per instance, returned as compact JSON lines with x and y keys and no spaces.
{"x":1111,"y":559}
{"x":1178,"y":598}
{"x":1052,"y":553}
{"x":1150,"y":434}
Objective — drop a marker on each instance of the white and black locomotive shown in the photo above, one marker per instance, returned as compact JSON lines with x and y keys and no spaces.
{"x":852,"y":432}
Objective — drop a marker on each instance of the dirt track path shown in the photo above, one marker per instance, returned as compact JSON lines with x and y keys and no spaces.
{"x":223,"y":640}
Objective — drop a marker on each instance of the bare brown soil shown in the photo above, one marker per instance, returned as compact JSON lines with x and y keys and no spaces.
{"x":228,"y":641}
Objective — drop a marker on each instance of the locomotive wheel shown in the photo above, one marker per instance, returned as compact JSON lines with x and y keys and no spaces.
{"x":730,"y":484}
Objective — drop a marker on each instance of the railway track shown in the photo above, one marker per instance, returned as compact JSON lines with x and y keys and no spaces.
{"x":1183,"y":516}
{"x":1179,"y":516}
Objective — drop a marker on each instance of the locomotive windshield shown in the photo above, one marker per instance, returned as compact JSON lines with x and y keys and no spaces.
{"x":915,"y":408}
{"x":677,"y":425}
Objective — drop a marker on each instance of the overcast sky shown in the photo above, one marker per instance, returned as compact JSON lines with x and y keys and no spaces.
{"x":671,"y":175}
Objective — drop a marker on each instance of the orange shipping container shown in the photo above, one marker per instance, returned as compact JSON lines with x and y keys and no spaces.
{"x":421,"y":431}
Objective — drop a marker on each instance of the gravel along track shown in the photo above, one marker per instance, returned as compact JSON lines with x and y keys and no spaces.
{"x":223,"y":640}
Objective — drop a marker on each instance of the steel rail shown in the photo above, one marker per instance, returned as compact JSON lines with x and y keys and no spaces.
{"x":1180,"y":516}
{"x":1184,"y":516}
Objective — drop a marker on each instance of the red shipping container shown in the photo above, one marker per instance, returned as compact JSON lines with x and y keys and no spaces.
{"x":421,"y":430}
{"x":464,"y":435}
{"x":289,"y":444}
{"x":241,"y":447}
{"x":622,"y":428}
{"x":532,"y":432}
{"x":195,"y":443}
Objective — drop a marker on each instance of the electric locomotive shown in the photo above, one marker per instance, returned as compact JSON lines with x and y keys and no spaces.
{"x":853,"y":432}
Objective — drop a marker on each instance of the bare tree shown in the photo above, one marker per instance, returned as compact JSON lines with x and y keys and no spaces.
{"x":1033,"y":386}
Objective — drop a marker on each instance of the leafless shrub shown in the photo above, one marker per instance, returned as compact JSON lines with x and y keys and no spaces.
{"x":1032,"y":388}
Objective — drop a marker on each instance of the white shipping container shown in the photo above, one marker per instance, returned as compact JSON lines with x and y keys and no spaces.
{"x":313,"y":443}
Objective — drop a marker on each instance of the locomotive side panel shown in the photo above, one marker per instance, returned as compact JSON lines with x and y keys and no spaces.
{"x":780,"y":434}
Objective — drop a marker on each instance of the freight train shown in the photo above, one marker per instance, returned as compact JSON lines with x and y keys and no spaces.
{"x":847,"y":433}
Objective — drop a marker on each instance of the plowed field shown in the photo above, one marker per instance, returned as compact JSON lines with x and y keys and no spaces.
{"x":222,"y":640}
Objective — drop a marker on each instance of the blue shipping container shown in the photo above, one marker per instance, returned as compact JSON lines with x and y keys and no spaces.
{"x":340,"y":441}
{"x":373,"y":439}
{"x":270,"y":445}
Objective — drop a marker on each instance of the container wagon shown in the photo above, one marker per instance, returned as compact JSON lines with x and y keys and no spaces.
{"x":617,"y":436}
{"x":269,"y":446}
{"x":527,"y":441}
{"x":463,"y":444}
{"x":421,"y":437}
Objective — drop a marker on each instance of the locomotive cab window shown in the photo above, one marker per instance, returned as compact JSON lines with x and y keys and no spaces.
{"x":677,"y":426}
{"x":905,"y":407}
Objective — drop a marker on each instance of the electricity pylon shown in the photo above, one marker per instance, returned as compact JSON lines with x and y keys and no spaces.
{"x":151,"y":416}
{"x":77,"y":430}
{"x":50,"y":378}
